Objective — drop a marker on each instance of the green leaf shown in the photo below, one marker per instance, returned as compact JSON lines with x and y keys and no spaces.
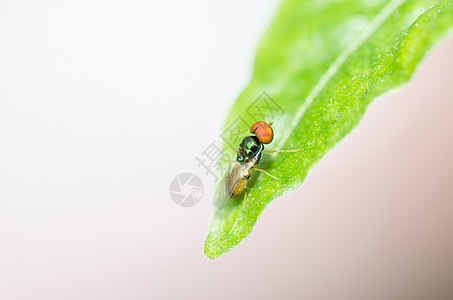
{"x":322,"y":62}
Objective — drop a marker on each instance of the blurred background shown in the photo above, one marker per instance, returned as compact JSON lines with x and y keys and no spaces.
{"x":103,"y":103}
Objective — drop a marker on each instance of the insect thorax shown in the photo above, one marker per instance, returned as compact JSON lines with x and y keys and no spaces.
{"x":249,"y":149}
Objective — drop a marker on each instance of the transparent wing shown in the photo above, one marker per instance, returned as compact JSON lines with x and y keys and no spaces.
{"x":230,"y":181}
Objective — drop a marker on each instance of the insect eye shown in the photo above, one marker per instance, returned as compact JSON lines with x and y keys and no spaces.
{"x":263,"y":131}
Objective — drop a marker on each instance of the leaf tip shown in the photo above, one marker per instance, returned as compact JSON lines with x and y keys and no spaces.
{"x":217,"y":245}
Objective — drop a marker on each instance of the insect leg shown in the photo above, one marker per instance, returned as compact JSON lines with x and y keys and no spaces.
{"x":278,"y":151}
{"x":264,"y":171}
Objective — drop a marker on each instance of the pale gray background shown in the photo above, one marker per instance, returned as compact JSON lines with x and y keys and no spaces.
{"x":102,"y":103}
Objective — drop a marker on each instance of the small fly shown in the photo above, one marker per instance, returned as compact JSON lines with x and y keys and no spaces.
{"x":247,"y":157}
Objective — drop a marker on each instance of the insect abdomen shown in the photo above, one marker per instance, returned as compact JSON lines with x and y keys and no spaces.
{"x":233,"y":193}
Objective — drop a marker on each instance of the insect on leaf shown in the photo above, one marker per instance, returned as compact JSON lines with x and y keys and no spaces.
{"x":320,"y":64}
